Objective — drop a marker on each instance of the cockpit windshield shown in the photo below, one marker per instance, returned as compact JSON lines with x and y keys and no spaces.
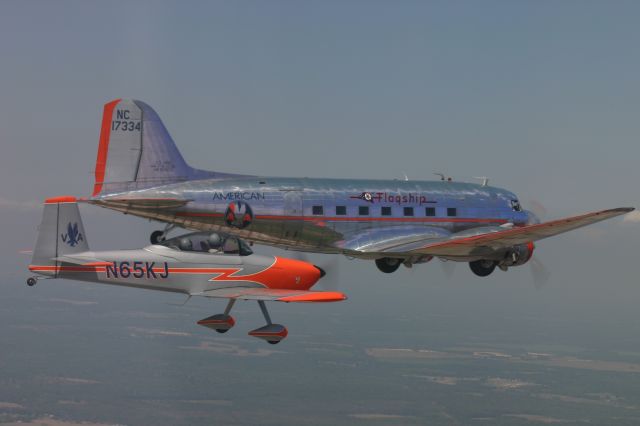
{"x":209,"y":242}
{"x":515,"y":205}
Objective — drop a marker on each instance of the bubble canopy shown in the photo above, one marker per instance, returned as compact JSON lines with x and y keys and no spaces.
{"x":209,"y":242}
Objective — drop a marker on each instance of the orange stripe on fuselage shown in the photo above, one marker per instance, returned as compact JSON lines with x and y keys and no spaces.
{"x":37,"y":268}
{"x":103,"y":147}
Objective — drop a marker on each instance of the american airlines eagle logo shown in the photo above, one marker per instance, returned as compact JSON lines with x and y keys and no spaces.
{"x":73,"y":236}
{"x":238,"y":214}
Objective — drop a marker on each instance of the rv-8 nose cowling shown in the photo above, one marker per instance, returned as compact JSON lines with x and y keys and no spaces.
{"x":286,"y":273}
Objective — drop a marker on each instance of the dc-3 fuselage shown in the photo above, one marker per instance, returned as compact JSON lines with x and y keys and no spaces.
{"x":140,"y":171}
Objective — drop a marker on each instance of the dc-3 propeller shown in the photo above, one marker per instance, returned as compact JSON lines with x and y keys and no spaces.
{"x":539,"y":272}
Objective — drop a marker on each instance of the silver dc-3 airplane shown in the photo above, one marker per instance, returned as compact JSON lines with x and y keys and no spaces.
{"x":208,"y":264}
{"x":140,"y":171}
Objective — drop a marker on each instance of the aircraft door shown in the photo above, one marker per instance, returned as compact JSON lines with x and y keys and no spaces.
{"x":293,"y":212}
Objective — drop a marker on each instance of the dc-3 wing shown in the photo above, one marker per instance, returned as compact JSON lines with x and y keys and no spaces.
{"x":276,"y":295}
{"x":475,"y":241}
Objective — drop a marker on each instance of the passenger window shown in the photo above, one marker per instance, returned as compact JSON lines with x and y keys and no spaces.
{"x":408,"y":211}
{"x":341,"y":210}
{"x":430,"y":211}
{"x":451,"y":211}
{"x":317,"y":210}
{"x":363,"y":210}
{"x":385,"y":211}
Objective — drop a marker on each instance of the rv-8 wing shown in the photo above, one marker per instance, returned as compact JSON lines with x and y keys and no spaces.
{"x":276,"y":295}
{"x":490,"y":238}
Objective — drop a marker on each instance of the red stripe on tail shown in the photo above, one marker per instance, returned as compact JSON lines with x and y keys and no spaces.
{"x":103,"y":147}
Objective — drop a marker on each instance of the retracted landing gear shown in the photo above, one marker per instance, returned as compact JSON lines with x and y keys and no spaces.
{"x":272,"y":333}
{"x":482,"y":268}
{"x":220,"y":322}
{"x":159,"y":236}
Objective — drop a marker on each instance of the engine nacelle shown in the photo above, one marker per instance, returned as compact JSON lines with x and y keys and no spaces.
{"x":517,"y":255}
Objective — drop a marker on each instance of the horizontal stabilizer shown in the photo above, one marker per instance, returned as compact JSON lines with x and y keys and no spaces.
{"x":140,"y":203}
{"x":276,"y":295}
{"x":82,"y":261}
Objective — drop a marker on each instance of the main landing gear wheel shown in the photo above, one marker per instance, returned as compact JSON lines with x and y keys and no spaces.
{"x":157,"y":237}
{"x":482,"y":268}
{"x":388,"y":264}
{"x":220,"y":322}
{"x":271,"y":333}
{"x":31,"y":281}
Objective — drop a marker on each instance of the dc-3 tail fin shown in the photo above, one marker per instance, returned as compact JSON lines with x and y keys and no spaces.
{"x":136,"y":151}
{"x":60,"y":233}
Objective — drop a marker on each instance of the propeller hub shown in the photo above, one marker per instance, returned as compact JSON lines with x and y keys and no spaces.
{"x":322,"y":271}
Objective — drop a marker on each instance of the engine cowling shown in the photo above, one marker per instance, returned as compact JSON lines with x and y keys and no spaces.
{"x":517,"y":255}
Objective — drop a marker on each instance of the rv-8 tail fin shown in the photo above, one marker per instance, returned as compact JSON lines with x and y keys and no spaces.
{"x":60,"y":233}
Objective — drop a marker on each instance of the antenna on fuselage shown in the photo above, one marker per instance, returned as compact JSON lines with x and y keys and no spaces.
{"x":443,"y":177}
{"x":484,"y":179}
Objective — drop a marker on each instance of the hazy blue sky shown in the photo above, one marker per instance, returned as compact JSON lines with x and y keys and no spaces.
{"x":543,"y":97}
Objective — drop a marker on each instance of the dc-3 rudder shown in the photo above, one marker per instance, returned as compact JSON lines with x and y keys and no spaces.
{"x":209,"y":264}
{"x":139,"y":171}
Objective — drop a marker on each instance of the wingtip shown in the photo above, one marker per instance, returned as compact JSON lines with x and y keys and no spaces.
{"x":316,"y":297}
{"x":61,"y":199}
{"x":624,"y":209}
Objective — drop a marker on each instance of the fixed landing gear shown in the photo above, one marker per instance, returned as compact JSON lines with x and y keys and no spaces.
{"x":159,"y":236}
{"x":388,"y":264}
{"x":220,"y":322}
{"x":31,"y":281}
{"x":482,"y":268}
{"x":272,"y":333}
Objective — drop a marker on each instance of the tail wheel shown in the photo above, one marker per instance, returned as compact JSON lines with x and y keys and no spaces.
{"x":388,"y":264}
{"x":482,"y":268}
{"x":157,"y":237}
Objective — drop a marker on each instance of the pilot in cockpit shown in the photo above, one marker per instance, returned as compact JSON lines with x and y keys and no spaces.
{"x":185,"y":244}
{"x":215,"y":243}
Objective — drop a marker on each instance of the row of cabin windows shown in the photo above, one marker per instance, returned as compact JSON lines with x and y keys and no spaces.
{"x":384,"y":211}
